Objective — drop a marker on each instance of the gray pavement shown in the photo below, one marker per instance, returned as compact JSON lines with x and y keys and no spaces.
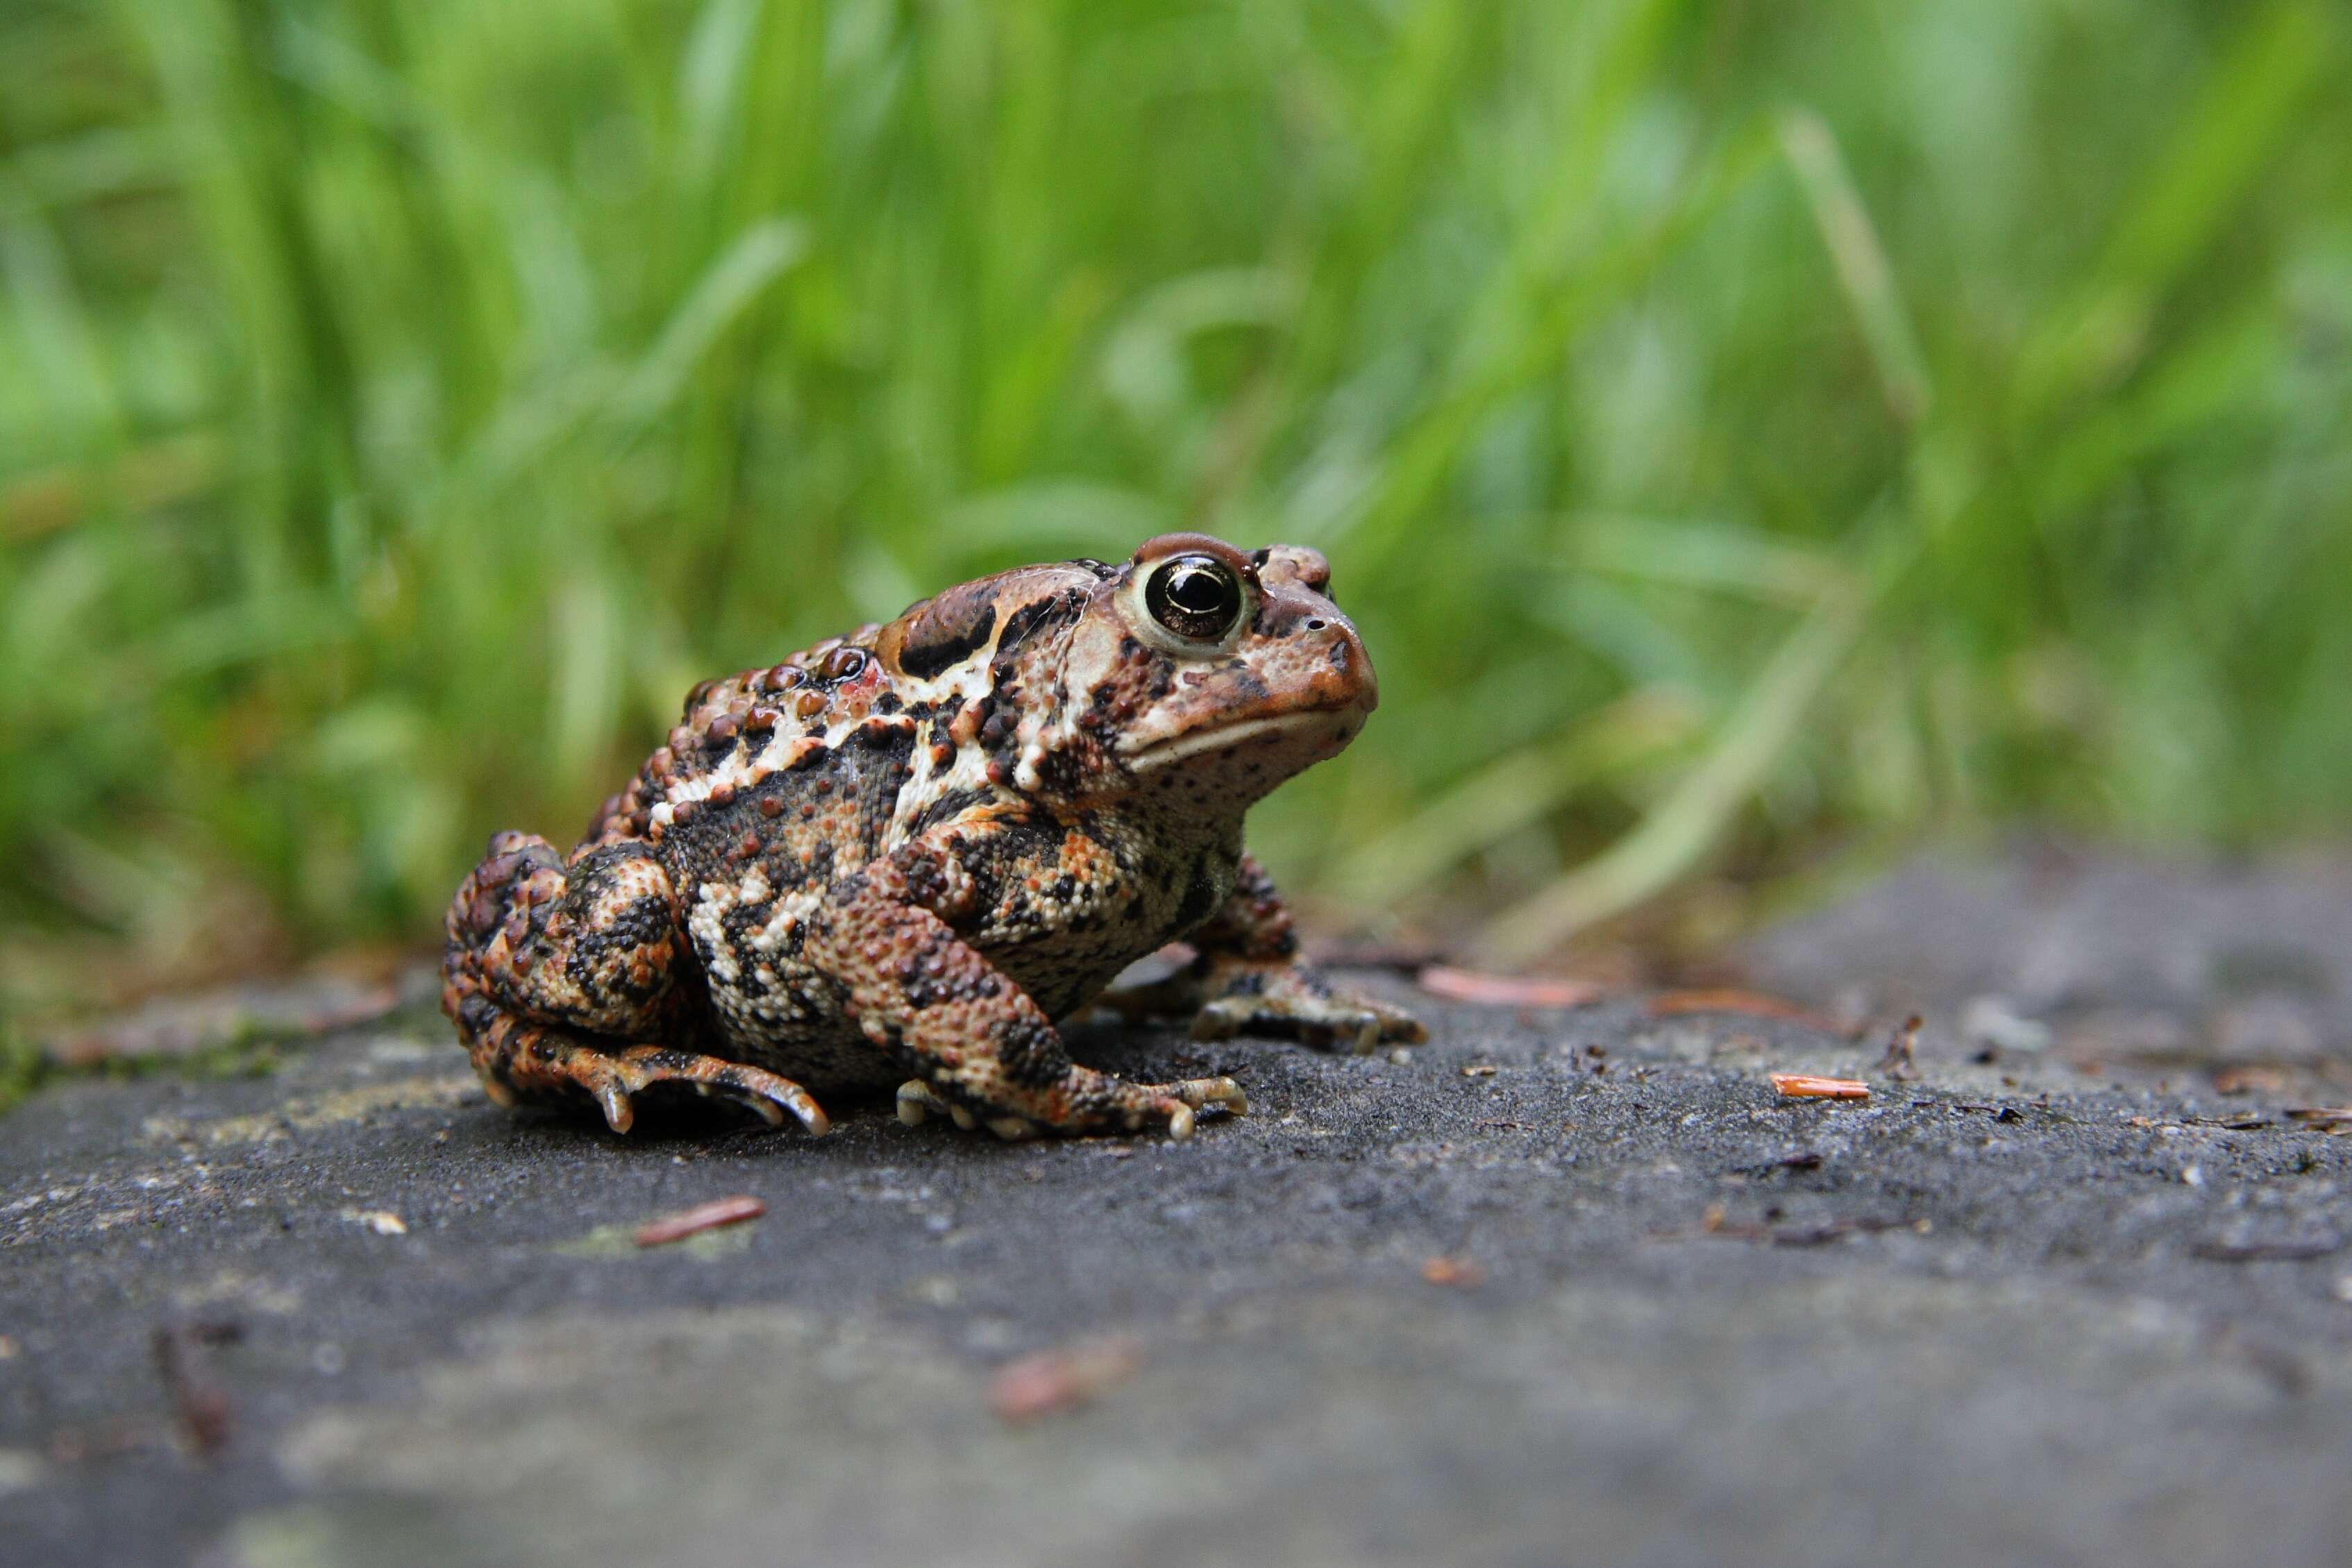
{"x":1559,"y":1287}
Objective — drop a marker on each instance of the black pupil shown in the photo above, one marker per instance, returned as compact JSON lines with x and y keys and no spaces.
{"x":1197,"y":589}
{"x":1195,"y":597}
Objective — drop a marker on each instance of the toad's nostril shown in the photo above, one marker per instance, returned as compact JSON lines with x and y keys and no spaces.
{"x":1314,"y":625}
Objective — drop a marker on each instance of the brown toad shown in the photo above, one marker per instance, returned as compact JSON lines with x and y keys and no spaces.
{"x":901,"y":856}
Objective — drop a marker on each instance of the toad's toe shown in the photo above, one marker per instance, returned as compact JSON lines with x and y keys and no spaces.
{"x":765,"y":1094}
{"x":917,"y":1102}
{"x":1299,"y":1003}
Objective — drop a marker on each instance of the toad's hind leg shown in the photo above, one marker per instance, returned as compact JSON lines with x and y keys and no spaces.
{"x":553,"y":972}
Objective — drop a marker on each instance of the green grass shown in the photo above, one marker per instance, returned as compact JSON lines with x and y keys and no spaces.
{"x":1739,"y":429}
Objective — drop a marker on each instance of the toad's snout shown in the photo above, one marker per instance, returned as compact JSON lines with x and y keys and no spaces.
{"x":1313,"y":650}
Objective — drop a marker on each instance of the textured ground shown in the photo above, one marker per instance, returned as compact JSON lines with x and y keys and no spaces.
{"x":1564,"y":1286}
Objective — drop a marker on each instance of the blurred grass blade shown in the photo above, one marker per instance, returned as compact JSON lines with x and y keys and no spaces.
{"x":2180,"y":201}
{"x":2278,"y":58}
{"x":1427,"y":450}
{"x":711,"y":73}
{"x":1617,"y":46}
{"x":585,"y":625}
{"x":1510,"y":794}
{"x":2197,"y":382}
{"x":163,"y":474}
{"x":1676,"y":834}
{"x":1142,"y":364}
{"x":53,"y":325}
{"x":1711,"y":555}
{"x":759,"y":256}
{"x":97,"y":164}
{"x":236,"y":633}
{"x":1863,"y":271}
{"x":1048,"y":518}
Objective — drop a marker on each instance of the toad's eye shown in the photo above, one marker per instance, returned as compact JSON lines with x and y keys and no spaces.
{"x":1196,"y":596}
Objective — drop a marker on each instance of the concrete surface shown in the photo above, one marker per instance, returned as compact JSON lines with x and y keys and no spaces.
{"x":1561,"y":1287}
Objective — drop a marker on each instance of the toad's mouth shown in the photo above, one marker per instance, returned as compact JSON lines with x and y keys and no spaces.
{"x":1337,"y":720}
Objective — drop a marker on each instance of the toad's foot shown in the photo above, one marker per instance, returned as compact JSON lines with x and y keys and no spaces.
{"x":1170,"y":1105}
{"x":1248,"y":977}
{"x":521,"y":1060}
{"x":652,"y":1067}
{"x":1289,"y":998}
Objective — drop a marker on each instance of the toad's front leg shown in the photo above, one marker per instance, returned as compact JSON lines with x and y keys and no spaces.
{"x":980,"y":1046}
{"x":1249,"y":976}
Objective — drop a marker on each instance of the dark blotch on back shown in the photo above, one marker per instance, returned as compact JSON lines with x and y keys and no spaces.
{"x":951,"y":629}
{"x":1057,"y":610}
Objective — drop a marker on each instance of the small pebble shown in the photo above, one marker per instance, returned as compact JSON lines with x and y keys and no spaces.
{"x":378,"y":1221}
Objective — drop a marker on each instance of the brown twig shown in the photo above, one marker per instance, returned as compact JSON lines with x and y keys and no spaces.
{"x":702,"y":1216}
{"x":1753,"y":1004}
{"x":1505,"y":991}
{"x":1052,"y":1381}
{"x":1463,"y":1273}
{"x":1810,"y":1086}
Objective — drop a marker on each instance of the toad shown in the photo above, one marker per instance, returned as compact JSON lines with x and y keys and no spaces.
{"x":897,"y":858}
